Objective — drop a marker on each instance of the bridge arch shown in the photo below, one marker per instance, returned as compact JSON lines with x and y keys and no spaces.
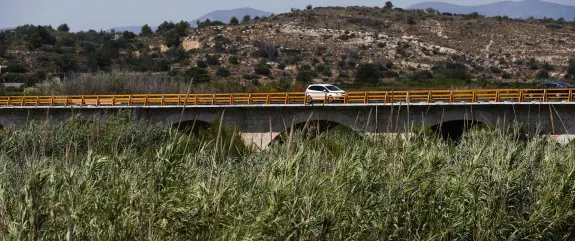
{"x":451,"y":124}
{"x":311,"y":129}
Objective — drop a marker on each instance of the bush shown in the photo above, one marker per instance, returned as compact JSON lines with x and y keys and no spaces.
{"x":15,"y":68}
{"x":571,"y":67}
{"x":542,"y":75}
{"x":548,"y":67}
{"x":422,"y":75}
{"x":305,"y":76}
{"x":262,"y":69}
{"x":223,"y":72}
{"x":212,"y":60}
{"x":451,"y":71}
{"x":368,"y":73}
{"x":197,"y":75}
{"x":234,"y":60}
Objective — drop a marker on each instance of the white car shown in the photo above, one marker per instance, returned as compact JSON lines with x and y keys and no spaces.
{"x":324,"y":92}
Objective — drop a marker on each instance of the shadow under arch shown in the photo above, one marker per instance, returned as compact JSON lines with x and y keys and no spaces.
{"x":312,"y":129}
{"x":453,"y":130}
{"x":191,"y":126}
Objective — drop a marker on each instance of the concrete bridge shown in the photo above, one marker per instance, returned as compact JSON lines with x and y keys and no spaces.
{"x":262,"y":117}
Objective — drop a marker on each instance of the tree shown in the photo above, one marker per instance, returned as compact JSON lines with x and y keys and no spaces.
{"x":146,"y":31}
{"x":368,"y":73}
{"x":246,"y":19}
{"x":234,"y":21}
{"x":172,"y":38}
{"x":309,"y":7}
{"x":67,"y":63}
{"x":182,"y":28}
{"x":388,"y":5}
{"x":165,"y":27}
{"x":63,"y":28}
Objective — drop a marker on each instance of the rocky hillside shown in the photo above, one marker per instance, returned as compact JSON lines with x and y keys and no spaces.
{"x":404,"y":44}
{"x":353,"y":45}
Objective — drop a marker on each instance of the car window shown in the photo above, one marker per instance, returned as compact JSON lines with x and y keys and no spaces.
{"x":316,"y":88}
{"x":332,"y":88}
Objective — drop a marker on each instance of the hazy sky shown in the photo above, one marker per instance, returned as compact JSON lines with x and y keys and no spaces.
{"x":103,"y":14}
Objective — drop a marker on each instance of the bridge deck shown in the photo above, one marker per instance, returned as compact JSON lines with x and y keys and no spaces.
{"x":415,"y":97}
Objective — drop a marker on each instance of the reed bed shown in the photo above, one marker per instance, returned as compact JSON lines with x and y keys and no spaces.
{"x":125,"y":180}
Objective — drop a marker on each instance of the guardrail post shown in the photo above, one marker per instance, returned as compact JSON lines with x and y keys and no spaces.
{"x":268,"y":99}
{"x":213,"y":99}
{"x":9,"y":101}
{"x":365,"y":98}
{"x":407,"y":97}
{"x":385,"y":97}
{"x":570,"y":99}
{"x":146,"y":101}
{"x":451,"y":98}
{"x":82,"y":102}
{"x":232,"y":99}
{"x":545,"y":99}
{"x":114,"y":101}
{"x":98,"y":101}
{"x":52,"y":101}
{"x":37,"y":100}
{"x":163,"y":101}
{"x":287,"y":99}
{"x":429,"y":97}
{"x":474,"y":98}
{"x":497,"y":96}
{"x":67,"y":99}
{"x":250,"y":99}
{"x":346,"y":99}
{"x":521,"y":97}
{"x":130,"y":100}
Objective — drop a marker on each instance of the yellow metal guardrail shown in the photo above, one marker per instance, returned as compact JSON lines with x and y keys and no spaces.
{"x":356,"y":97}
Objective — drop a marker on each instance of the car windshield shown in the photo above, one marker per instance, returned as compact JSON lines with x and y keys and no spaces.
{"x":332,"y":88}
{"x":563,"y":85}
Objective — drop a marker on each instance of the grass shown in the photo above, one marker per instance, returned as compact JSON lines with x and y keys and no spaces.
{"x":125,"y":180}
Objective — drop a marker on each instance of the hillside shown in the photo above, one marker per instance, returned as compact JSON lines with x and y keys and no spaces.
{"x":522,"y":9}
{"x":359,"y":46}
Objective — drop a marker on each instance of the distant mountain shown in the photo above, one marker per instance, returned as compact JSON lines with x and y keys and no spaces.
{"x":226,"y":15}
{"x":522,"y":9}
{"x":220,"y":15}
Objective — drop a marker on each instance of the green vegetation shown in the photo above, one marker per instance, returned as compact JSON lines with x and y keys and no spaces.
{"x":123,"y":179}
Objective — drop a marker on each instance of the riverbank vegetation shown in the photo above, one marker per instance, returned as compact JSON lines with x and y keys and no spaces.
{"x":121,"y":179}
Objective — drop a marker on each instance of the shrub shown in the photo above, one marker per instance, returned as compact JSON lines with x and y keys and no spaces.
{"x":197,"y":75}
{"x":223,"y":72}
{"x":451,"y":71}
{"x":548,"y":67}
{"x":234,"y":60}
{"x":262,"y":69}
{"x":212,"y":60}
{"x":305,"y":76}
{"x":542,"y":75}
{"x":571,"y":67}
{"x":15,"y":68}
{"x":368,"y":73}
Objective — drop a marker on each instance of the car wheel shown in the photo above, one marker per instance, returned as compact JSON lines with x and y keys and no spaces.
{"x":309,"y":100}
{"x":330,"y":100}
